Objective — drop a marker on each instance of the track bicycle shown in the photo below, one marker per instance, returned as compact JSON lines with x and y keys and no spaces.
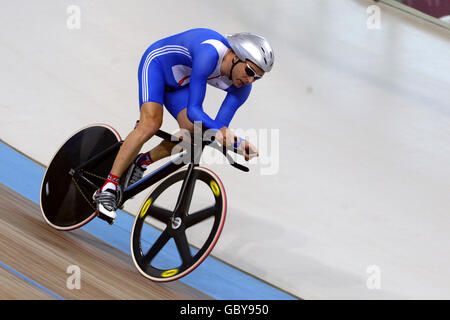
{"x":81,"y":165}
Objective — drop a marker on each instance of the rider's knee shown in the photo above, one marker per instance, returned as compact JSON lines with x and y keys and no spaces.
{"x":148,"y":128}
{"x":184,"y":122}
{"x":188,"y":127}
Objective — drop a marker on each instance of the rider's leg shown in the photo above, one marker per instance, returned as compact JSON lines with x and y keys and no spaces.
{"x":149,"y":123}
{"x":159,"y":152}
{"x":151,"y":92}
{"x":165,"y":148}
{"x":175,"y":102}
{"x":184,"y":122}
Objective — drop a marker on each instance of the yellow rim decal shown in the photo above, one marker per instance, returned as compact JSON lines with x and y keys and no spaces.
{"x":169,"y":273}
{"x":145,"y":207}
{"x":215,"y":188}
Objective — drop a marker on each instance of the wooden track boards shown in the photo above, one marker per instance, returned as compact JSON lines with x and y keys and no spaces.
{"x":34,"y":259}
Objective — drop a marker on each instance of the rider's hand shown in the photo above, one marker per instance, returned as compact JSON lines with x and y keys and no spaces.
{"x":248,"y":150}
{"x":225,"y":136}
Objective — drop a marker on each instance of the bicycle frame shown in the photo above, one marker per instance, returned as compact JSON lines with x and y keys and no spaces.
{"x":152,"y":178}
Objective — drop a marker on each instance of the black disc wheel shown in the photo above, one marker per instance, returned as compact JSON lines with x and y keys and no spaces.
{"x":168,"y":243}
{"x":66,"y":198}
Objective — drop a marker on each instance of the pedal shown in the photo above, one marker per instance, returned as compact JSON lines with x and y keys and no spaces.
{"x":105,"y":218}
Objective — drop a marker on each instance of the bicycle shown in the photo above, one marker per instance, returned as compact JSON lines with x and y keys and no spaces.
{"x":81,"y":165}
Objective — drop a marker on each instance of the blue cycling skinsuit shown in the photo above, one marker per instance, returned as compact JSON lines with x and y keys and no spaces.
{"x":174,"y":72}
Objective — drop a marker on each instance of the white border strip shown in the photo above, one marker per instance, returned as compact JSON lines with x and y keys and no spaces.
{"x":415,"y":12}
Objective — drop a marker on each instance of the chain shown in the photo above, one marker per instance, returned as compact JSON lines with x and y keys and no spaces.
{"x":93,"y":175}
{"x":82,"y":193}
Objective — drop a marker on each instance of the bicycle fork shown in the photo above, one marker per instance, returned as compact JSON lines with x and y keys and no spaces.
{"x":185,"y":197}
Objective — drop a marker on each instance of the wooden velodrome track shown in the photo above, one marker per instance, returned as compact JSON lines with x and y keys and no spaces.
{"x":34,"y":259}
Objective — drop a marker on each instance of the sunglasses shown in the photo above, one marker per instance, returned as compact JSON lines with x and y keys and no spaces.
{"x":251,"y":73}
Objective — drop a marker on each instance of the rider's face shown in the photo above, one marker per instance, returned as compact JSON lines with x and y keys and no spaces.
{"x":240,"y":75}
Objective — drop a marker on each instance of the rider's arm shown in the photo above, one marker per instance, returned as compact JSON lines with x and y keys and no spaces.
{"x":234,"y":99}
{"x":203,"y":64}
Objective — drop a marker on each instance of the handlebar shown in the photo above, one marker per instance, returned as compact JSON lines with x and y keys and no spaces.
{"x":211,"y":143}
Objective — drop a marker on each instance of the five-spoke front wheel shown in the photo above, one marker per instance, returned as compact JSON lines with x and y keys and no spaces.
{"x":166,"y":252}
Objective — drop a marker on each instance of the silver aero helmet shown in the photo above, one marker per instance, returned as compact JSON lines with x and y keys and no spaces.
{"x":248,"y":46}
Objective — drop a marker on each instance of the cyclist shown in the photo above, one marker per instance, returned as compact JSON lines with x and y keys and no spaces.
{"x":174,"y":72}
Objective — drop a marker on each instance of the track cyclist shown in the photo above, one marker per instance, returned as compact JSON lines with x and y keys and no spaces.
{"x":174,"y":72}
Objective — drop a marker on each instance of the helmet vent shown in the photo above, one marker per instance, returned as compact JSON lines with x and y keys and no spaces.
{"x":265,"y":60}
{"x":263,"y":50}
